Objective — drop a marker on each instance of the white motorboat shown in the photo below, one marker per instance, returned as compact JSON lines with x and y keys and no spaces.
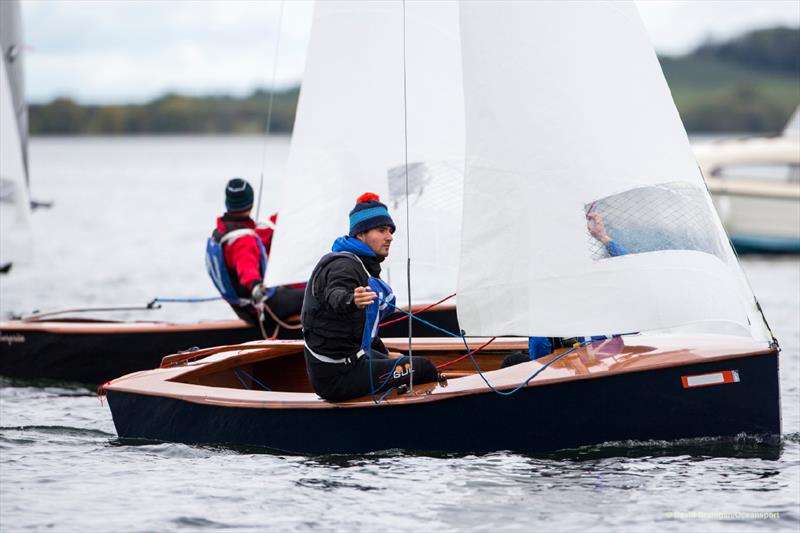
{"x":755,"y":184}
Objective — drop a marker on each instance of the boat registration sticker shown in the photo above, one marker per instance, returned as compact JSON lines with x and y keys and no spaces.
{"x":714,"y":378}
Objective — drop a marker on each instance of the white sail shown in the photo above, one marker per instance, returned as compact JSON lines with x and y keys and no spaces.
{"x":14,"y":197}
{"x":349,"y":137}
{"x":13,"y":57}
{"x":568,"y":112}
{"x":792,"y":128}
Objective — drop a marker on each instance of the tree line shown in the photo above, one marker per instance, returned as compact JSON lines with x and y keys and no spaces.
{"x":750,"y":83}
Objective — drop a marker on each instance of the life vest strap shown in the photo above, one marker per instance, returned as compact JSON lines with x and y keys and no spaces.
{"x":326,"y":359}
{"x":231,"y":236}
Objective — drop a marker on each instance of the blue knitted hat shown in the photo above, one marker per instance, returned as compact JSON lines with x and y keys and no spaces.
{"x":238,"y":195}
{"x":369,"y":213}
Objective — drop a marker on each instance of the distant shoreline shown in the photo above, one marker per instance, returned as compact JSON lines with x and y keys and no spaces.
{"x":748,"y":83}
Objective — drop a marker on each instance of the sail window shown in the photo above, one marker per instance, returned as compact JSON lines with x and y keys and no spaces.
{"x":668,"y":216}
{"x":437,"y":184}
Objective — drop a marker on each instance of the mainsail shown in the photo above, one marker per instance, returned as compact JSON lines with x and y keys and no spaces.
{"x":567,"y":114}
{"x":349,"y":138}
{"x":559,"y":110}
{"x":14,"y":194}
{"x":13,"y":59}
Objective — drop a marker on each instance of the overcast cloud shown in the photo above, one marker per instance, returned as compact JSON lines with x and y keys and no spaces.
{"x":112,"y":51}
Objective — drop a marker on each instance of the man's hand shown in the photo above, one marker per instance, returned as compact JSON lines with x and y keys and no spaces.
{"x":363,"y":296}
{"x":597,"y":228}
{"x":258,"y":293}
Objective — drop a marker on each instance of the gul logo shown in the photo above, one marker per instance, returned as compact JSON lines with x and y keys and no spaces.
{"x":402,"y":370}
{"x":15,"y":338}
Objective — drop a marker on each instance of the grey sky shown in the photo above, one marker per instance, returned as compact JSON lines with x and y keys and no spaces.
{"x":110,"y":51}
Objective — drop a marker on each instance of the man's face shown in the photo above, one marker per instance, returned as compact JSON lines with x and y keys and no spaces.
{"x":378,"y":239}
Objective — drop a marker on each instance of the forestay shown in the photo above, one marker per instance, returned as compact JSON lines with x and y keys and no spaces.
{"x":568,"y":113}
{"x":349,"y":138}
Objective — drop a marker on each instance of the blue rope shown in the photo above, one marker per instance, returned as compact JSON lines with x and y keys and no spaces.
{"x":462,"y":336}
{"x":374,"y":390}
{"x":185,"y":300}
{"x":255,"y":380}
{"x":236,"y":373}
{"x":524,"y":383}
{"x":385,"y":394}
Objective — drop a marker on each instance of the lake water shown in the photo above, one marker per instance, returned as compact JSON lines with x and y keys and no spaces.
{"x":128,"y":225}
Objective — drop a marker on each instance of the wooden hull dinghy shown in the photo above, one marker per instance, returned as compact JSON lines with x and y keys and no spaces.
{"x":520,"y":123}
{"x":94,"y":351}
{"x":627,"y":388}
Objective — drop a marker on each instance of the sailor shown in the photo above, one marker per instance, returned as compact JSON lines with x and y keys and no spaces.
{"x":236,"y":258}
{"x":344,"y":302}
{"x":542,"y":346}
{"x":597,"y":229}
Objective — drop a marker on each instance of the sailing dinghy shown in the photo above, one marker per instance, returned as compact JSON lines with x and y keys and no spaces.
{"x":71,"y":347}
{"x":564,"y":112}
{"x":82,"y":347}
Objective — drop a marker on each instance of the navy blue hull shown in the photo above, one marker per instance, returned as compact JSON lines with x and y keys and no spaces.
{"x":98,"y":357}
{"x":639,"y":406}
{"x":95,"y":358}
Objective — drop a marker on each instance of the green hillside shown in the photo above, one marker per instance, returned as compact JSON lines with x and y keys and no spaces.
{"x":747,"y":84}
{"x":170,"y":114}
{"x":751,"y":83}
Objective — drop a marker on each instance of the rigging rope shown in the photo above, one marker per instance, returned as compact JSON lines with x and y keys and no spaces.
{"x":253,"y":379}
{"x":471,"y":353}
{"x":156,"y":301}
{"x":419,"y":311}
{"x":279,"y":322}
{"x":269,"y":108}
{"x":408,"y":210}
{"x":457,"y":359}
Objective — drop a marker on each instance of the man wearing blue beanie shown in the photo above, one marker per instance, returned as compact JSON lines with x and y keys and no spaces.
{"x":236,"y":257}
{"x":344,"y":302}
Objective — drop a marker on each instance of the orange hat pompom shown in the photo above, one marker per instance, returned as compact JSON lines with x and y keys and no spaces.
{"x":367,"y":196}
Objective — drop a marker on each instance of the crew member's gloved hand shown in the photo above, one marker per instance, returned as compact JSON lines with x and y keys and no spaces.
{"x":257,"y":295}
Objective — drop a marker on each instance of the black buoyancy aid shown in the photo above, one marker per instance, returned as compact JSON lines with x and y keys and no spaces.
{"x":319,"y":318}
